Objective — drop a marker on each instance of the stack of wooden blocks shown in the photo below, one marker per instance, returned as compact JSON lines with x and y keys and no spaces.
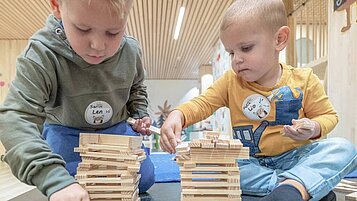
{"x":208,"y":168}
{"x":346,"y":190}
{"x":110,"y":166}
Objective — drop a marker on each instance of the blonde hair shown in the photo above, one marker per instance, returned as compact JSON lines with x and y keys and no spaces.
{"x":119,"y":8}
{"x":270,"y":13}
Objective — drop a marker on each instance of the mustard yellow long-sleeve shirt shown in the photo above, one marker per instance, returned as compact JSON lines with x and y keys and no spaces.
{"x":258,"y":113}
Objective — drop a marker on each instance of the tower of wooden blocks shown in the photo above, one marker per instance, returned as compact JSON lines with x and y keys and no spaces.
{"x":110,"y":166}
{"x":208,"y":168}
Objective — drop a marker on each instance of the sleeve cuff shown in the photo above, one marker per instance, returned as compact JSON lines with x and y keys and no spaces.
{"x":52,"y":178}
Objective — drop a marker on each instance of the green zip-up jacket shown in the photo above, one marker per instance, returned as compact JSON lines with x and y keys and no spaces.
{"x":55,"y":85}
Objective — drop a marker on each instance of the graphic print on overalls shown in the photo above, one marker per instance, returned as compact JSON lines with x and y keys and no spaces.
{"x":257,"y":107}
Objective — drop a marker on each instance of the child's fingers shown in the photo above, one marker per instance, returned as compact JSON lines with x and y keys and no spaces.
{"x":147,"y":131}
{"x":137,"y":125}
{"x":307,"y":126}
{"x":303,"y":123}
{"x":290,"y":130}
{"x":166,"y":143}
{"x":303,"y":131}
{"x":163,"y":146}
{"x":284,"y":131}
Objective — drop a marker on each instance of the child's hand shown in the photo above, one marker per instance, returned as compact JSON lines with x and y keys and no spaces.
{"x":302,"y":129}
{"x":142,"y":125}
{"x":73,"y":192}
{"x":171,"y":131}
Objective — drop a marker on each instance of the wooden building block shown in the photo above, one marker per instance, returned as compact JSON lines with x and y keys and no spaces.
{"x":208,"y":145}
{"x":110,"y":166}
{"x":213,"y":135}
{"x":195,"y":143}
{"x":346,"y":186}
{"x":222,"y":145}
{"x":351,"y":197}
{"x":211,"y":172}
{"x":183,"y":146}
{"x":131,"y":142}
{"x":153,"y":129}
{"x":203,"y":141}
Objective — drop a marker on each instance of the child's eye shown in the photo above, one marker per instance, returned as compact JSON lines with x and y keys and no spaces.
{"x":112,"y":34}
{"x":83,"y":30}
{"x":247,"y":48}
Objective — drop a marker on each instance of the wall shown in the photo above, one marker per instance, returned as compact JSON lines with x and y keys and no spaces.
{"x":221,"y":62}
{"x":342,"y":71}
{"x":174,"y":92}
{"x":9,"y":49}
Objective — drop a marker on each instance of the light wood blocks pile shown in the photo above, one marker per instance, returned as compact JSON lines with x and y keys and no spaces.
{"x":110,"y":166}
{"x":348,"y":188}
{"x":208,"y":168}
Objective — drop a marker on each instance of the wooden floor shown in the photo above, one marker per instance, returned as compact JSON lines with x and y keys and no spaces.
{"x":14,"y":190}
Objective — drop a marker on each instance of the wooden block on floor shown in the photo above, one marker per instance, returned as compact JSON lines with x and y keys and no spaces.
{"x":209,"y":170}
{"x":351,"y":197}
{"x":346,"y":186}
{"x":110,"y":166}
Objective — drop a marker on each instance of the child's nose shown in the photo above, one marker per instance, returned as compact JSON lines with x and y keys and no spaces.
{"x":237,"y":59}
{"x":97,"y":44}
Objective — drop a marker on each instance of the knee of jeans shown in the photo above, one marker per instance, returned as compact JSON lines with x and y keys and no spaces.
{"x":346,"y":145}
{"x":343,"y":146}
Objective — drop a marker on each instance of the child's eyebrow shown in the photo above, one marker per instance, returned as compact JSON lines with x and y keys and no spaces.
{"x":245,"y":43}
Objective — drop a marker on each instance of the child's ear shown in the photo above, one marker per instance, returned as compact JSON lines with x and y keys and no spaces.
{"x":55,"y":8}
{"x":282,"y":38}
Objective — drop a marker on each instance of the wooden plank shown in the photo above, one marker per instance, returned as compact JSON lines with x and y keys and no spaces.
{"x":153,"y":129}
{"x":220,"y":184}
{"x":351,"y":197}
{"x":112,"y":156}
{"x":209,"y":198}
{"x":133,"y":142}
{"x":110,"y":189}
{"x":208,"y":176}
{"x":211,"y":192}
{"x":209,"y":168}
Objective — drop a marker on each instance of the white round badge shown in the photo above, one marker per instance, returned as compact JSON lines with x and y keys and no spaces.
{"x":256,"y":107}
{"x":98,"y":112}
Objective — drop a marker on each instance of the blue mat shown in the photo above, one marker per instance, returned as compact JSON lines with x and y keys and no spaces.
{"x":166,"y":169}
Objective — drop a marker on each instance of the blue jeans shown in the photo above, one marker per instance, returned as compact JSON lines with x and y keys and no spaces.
{"x":62,"y":141}
{"x":319,"y":166}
